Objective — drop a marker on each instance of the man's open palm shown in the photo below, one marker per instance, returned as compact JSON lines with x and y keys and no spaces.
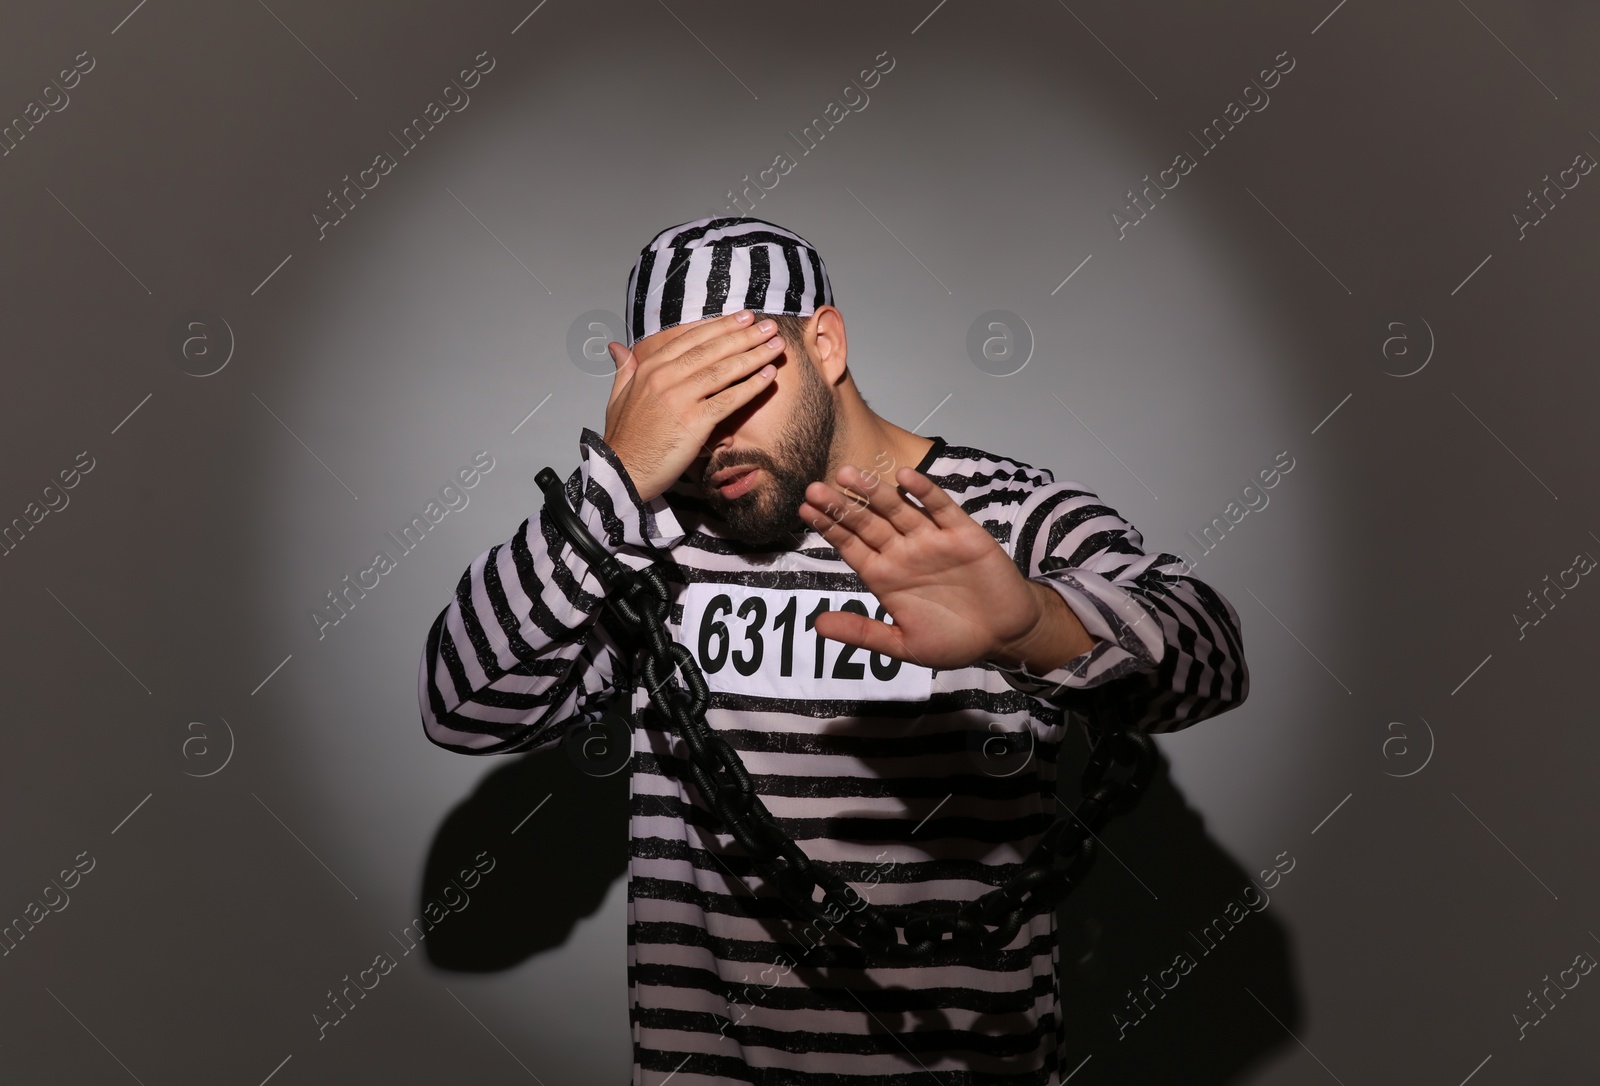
{"x":955,"y":596}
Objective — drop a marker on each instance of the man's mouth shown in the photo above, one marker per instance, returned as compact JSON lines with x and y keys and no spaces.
{"x":732,"y":482}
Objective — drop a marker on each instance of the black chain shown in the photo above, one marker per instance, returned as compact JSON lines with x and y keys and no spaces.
{"x":640,"y":601}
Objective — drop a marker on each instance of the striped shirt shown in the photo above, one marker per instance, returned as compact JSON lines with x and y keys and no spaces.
{"x":874,"y":767}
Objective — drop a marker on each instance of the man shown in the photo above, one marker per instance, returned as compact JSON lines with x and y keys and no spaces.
{"x":864,"y":602}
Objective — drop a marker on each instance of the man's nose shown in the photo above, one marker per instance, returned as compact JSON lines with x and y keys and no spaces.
{"x":721,"y":438}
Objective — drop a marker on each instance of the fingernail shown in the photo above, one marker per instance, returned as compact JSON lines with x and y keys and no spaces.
{"x":744,"y":316}
{"x":775,"y":341}
{"x":767,"y":326}
{"x":768,"y":370}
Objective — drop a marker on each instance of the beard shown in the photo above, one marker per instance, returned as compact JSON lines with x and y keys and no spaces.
{"x":768,"y":513}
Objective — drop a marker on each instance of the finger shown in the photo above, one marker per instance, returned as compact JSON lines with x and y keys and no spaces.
{"x":940,"y":506}
{"x":718,"y":374}
{"x":834,"y":504}
{"x":735,"y":396}
{"x":870,"y":634}
{"x":851,"y":547}
{"x":703,"y":363}
{"x":701,"y":334}
{"x":885,"y":500}
{"x":854,"y":513}
{"x":627,"y":365}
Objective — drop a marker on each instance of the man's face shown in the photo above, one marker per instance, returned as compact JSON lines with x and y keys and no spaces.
{"x":759,"y":460}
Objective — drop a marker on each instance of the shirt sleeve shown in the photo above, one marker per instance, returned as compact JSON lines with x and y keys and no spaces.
{"x":1168,"y":641}
{"x":518,"y":652}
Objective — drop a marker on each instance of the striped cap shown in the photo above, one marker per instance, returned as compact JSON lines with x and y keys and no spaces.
{"x":712,"y":267}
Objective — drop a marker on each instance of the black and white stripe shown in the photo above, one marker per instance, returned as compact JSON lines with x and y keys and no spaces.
{"x":723,"y":986}
{"x":715,"y":266}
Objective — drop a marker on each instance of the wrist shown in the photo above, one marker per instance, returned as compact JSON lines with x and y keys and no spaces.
{"x":633,"y":521}
{"x":623,"y":474}
{"x":1053,"y":637}
{"x":635,"y":470}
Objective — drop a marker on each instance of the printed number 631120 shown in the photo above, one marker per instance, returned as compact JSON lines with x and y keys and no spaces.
{"x":762,"y":641}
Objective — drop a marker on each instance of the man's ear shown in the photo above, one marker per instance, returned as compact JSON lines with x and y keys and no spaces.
{"x":825,"y":340}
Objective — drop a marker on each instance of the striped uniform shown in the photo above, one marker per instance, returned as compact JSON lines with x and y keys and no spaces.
{"x":866,"y":764}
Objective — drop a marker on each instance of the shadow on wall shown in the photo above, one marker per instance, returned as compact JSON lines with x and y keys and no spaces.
{"x":1144,"y":1013}
{"x":1124,"y":1000}
{"x":549,"y":872}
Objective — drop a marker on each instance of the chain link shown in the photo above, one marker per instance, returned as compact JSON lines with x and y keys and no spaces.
{"x":640,"y":600}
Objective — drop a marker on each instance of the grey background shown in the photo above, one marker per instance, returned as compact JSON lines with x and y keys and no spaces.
{"x":159,"y":625}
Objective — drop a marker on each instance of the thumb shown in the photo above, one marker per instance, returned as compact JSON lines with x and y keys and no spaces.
{"x":863,"y":632}
{"x":623,"y":358}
